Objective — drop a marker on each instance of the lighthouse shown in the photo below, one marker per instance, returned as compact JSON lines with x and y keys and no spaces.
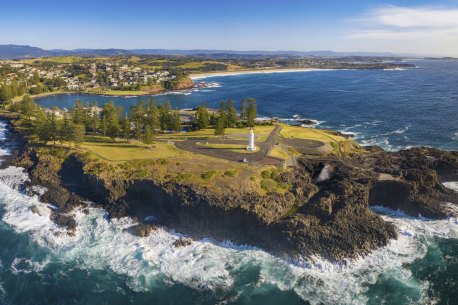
{"x":251,"y":143}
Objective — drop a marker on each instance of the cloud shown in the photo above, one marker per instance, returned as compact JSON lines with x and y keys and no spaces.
{"x":427,"y":30}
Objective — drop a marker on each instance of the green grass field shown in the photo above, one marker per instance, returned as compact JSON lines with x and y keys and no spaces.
{"x":58,"y":60}
{"x":288,"y":131}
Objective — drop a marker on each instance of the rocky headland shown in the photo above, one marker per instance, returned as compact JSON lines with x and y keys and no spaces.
{"x":325,"y":212}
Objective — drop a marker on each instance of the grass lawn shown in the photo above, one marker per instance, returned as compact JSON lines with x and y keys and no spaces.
{"x":132,"y":151}
{"x":196,"y":64}
{"x":278,"y":152}
{"x":288,"y":131}
{"x":57,"y":59}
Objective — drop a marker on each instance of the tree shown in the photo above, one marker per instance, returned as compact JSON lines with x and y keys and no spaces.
{"x":27,"y":106}
{"x":93,"y":122}
{"x":176,"y":121}
{"x":251,"y":114}
{"x":231,"y":118}
{"x":43,"y":127}
{"x":126,"y":129}
{"x":148,"y":136}
{"x":5,"y":93}
{"x":152,"y":116}
{"x":113,"y":130}
{"x":78,"y":112}
{"x":222,"y":112}
{"x":202,"y":118}
{"x":243,"y":111}
{"x":77,"y":134}
{"x":65,"y":130}
{"x":53,"y":127}
{"x":219,"y":127}
{"x":110,"y":120}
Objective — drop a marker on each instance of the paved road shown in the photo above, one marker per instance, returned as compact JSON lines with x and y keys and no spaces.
{"x":256,"y":157}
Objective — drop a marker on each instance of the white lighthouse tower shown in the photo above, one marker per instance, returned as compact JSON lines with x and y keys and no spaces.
{"x":251,"y":144}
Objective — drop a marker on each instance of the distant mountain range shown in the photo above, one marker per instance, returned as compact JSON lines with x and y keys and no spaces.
{"x":22,"y":52}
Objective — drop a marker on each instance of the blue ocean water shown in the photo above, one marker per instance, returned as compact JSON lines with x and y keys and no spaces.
{"x":394,"y":109}
{"x":103,"y":264}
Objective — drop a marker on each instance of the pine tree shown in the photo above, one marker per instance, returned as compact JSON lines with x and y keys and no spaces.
{"x":138,"y":129}
{"x":202,"y":117}
{"x":94,"y":122}
{"x":251,"y":115}
{"x":53,"y":127}
{"x":243,"y":111}
{"x":5,"y":93}
{"x":78,"y":112}
{"x":104,"y":125}
{"x":152,"y":118}
{"x":43,"y":128}
{"x":77,"y":134}
{"x":219,"y":127}
{"x":163,"y":118}
{"x":27,"y":106}
{"x":148,"y":136}
{"x":126,"y":129}
{"x":231,"y":114}
{"x":222,"y":112}
{"x":176,"y":121}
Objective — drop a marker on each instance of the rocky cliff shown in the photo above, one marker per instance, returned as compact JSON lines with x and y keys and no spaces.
{"x":326,"y":212}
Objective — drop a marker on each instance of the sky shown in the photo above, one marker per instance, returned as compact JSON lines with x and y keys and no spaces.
{"x":413,"y":27}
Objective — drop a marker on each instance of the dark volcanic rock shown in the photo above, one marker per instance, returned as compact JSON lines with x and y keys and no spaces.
{"x":330,"y":217}
{"x":142,"y":230}
{"x":182,"y":242}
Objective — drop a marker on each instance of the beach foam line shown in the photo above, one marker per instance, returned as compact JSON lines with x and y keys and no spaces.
{"x":206,"y":264}
{"x":219,"y":74}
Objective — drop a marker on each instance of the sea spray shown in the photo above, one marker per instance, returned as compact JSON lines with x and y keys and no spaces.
{"x":206,"y":265}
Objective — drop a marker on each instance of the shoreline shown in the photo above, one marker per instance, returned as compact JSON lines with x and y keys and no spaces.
{"x":197,"y":76}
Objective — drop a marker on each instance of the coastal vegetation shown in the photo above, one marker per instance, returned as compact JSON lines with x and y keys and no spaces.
{"x":305,"y":192}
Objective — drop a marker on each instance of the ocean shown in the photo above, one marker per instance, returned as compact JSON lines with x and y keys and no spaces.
{"x":103,"y":264}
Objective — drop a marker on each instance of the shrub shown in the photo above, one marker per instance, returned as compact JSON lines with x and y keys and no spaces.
{"x":335,"y":146}
{"x":231,"y":173}
{"x":253,"y":178}
{"x":183,"y":176}
{"x":286,"y":186}
{"x":208,"y":175}
{"x":265,"y":174}
{"x":268,"y":185}
{"x":275,"y":175}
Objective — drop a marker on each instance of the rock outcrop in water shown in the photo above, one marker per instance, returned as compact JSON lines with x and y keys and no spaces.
{"x":325,"y":213}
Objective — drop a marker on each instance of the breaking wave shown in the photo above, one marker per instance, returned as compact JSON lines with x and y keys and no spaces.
{"x":207,"y":265}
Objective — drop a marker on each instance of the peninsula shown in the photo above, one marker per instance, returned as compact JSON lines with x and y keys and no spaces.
{"x":301,"y":193}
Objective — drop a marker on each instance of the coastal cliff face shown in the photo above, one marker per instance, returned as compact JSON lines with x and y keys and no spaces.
{"x":325,"y":213}
{"x":180,"y":83}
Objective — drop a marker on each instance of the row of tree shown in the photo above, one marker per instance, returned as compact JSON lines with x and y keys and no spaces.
{"x":141,"y":122}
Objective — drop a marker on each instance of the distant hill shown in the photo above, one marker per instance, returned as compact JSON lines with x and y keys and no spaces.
{"x":21,"y":52}
{"x":12,"y":51}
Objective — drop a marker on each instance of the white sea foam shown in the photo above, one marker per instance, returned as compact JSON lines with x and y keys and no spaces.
{"x":203,"y":76}
{"x":24,"y":265}
{"x":451,"y":185}
{"x":149,"y":261}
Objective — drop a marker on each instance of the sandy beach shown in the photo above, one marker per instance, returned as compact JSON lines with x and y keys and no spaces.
{"x":241,"y":72}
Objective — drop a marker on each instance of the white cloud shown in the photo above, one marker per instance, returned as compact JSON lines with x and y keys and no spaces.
{"x":426,"y":30}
